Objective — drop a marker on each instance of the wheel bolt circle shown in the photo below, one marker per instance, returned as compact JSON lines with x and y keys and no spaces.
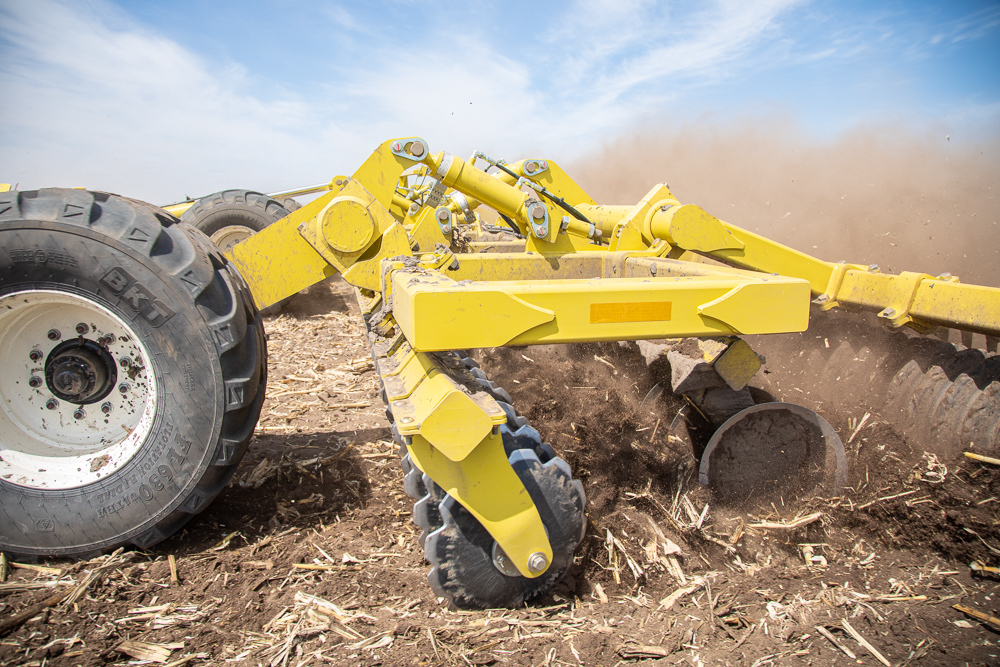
{"x":35,"y":381}
{"x":79,"y":413}
{"x":82,"y":328}
{"x":52,"y":404}
{"x":54,"y":334}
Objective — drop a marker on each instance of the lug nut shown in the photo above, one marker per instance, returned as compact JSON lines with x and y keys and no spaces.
{"x":35,"y":355}
{"x":106,"y":408}
{"x":123,"y":387}
{"x":54,"y":334}
{"x":125,"y":362}
{"x":537,"y":562}
{"x":35,"y":381}
{"x":107,"y":339}
{"x":79,"y":413}
{"x":52,"y":404}
{"x":82,"y":329}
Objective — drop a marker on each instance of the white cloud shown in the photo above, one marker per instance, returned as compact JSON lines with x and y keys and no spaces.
{"x":90,"y":97}
{"x":126,"y":109}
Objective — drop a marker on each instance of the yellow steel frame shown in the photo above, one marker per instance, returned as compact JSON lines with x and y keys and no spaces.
{"x":390,"y":241}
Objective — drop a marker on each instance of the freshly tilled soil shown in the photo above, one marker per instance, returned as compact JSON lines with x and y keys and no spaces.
{"x":309,"y":557}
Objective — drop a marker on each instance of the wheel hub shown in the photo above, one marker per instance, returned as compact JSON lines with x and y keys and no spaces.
{"x":60,"y":353}
{"x":80,"y":371}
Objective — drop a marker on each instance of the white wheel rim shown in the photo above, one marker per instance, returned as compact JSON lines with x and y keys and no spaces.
{"x":50,"y":443}
{"x":227,"y":237}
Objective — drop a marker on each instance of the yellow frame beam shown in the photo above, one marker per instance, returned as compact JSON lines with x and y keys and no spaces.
{"x":436,"y":312}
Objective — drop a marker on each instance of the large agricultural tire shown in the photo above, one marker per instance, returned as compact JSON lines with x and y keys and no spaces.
{"x":231,"y":216}
{"x":134,"y":368}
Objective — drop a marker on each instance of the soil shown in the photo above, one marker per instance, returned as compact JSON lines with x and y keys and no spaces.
{"x":310,"y":558}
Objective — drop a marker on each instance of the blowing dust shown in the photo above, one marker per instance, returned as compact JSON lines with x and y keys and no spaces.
{"x":876,"y":195}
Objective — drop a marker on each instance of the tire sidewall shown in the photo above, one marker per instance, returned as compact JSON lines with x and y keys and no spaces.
{"x":179,"y":446}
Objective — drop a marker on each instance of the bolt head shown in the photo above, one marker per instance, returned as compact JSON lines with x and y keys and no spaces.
{"x":530,"y":168}
{"x":537,"y":562}
{"x":52,"y":404}
{"x":123,"y":387}
{"x":54,"y":334}
{"x":79,"y":413}
{"x":35,"y":355}
{"x":82,"y":328}
{"x":416,"y":149}
{"x":443,"y":214}
{"x":125,"y":362}
{"x":107,"y":339}
{"x":35,"y":381}
{"x":106,"y":408}
{"x":537,"y":212}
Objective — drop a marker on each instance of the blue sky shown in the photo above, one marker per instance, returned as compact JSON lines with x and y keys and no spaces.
{"x":159,"y":100}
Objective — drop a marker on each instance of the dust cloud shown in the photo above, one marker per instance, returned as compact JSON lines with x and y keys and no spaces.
{"x":878,"y":194}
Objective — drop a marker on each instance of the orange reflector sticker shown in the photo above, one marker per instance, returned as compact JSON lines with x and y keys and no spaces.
{"x":640,"y":311}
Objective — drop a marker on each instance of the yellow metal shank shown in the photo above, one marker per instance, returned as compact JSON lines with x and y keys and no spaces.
{"x":451,"y":436}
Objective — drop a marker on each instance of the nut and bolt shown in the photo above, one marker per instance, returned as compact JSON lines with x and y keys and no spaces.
{"x":79,"y":413}
{"x":54,"y":334}
{"x":107,"y":339}
{"x":52,"y":404}
{"x":537,"y":562}
{"x":123,"y":387}
{"x":35,"y":381}
{"x":35,"y":355}
{"x":82,"y":328}
{"x":125,"y":362}
{"x":106,"y":408}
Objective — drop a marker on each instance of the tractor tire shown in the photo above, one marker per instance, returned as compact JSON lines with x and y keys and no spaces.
{"x":134,"y":372}
{"x":231,"y":216}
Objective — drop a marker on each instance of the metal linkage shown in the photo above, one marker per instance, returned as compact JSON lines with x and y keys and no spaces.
{"x":469,"y":567}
